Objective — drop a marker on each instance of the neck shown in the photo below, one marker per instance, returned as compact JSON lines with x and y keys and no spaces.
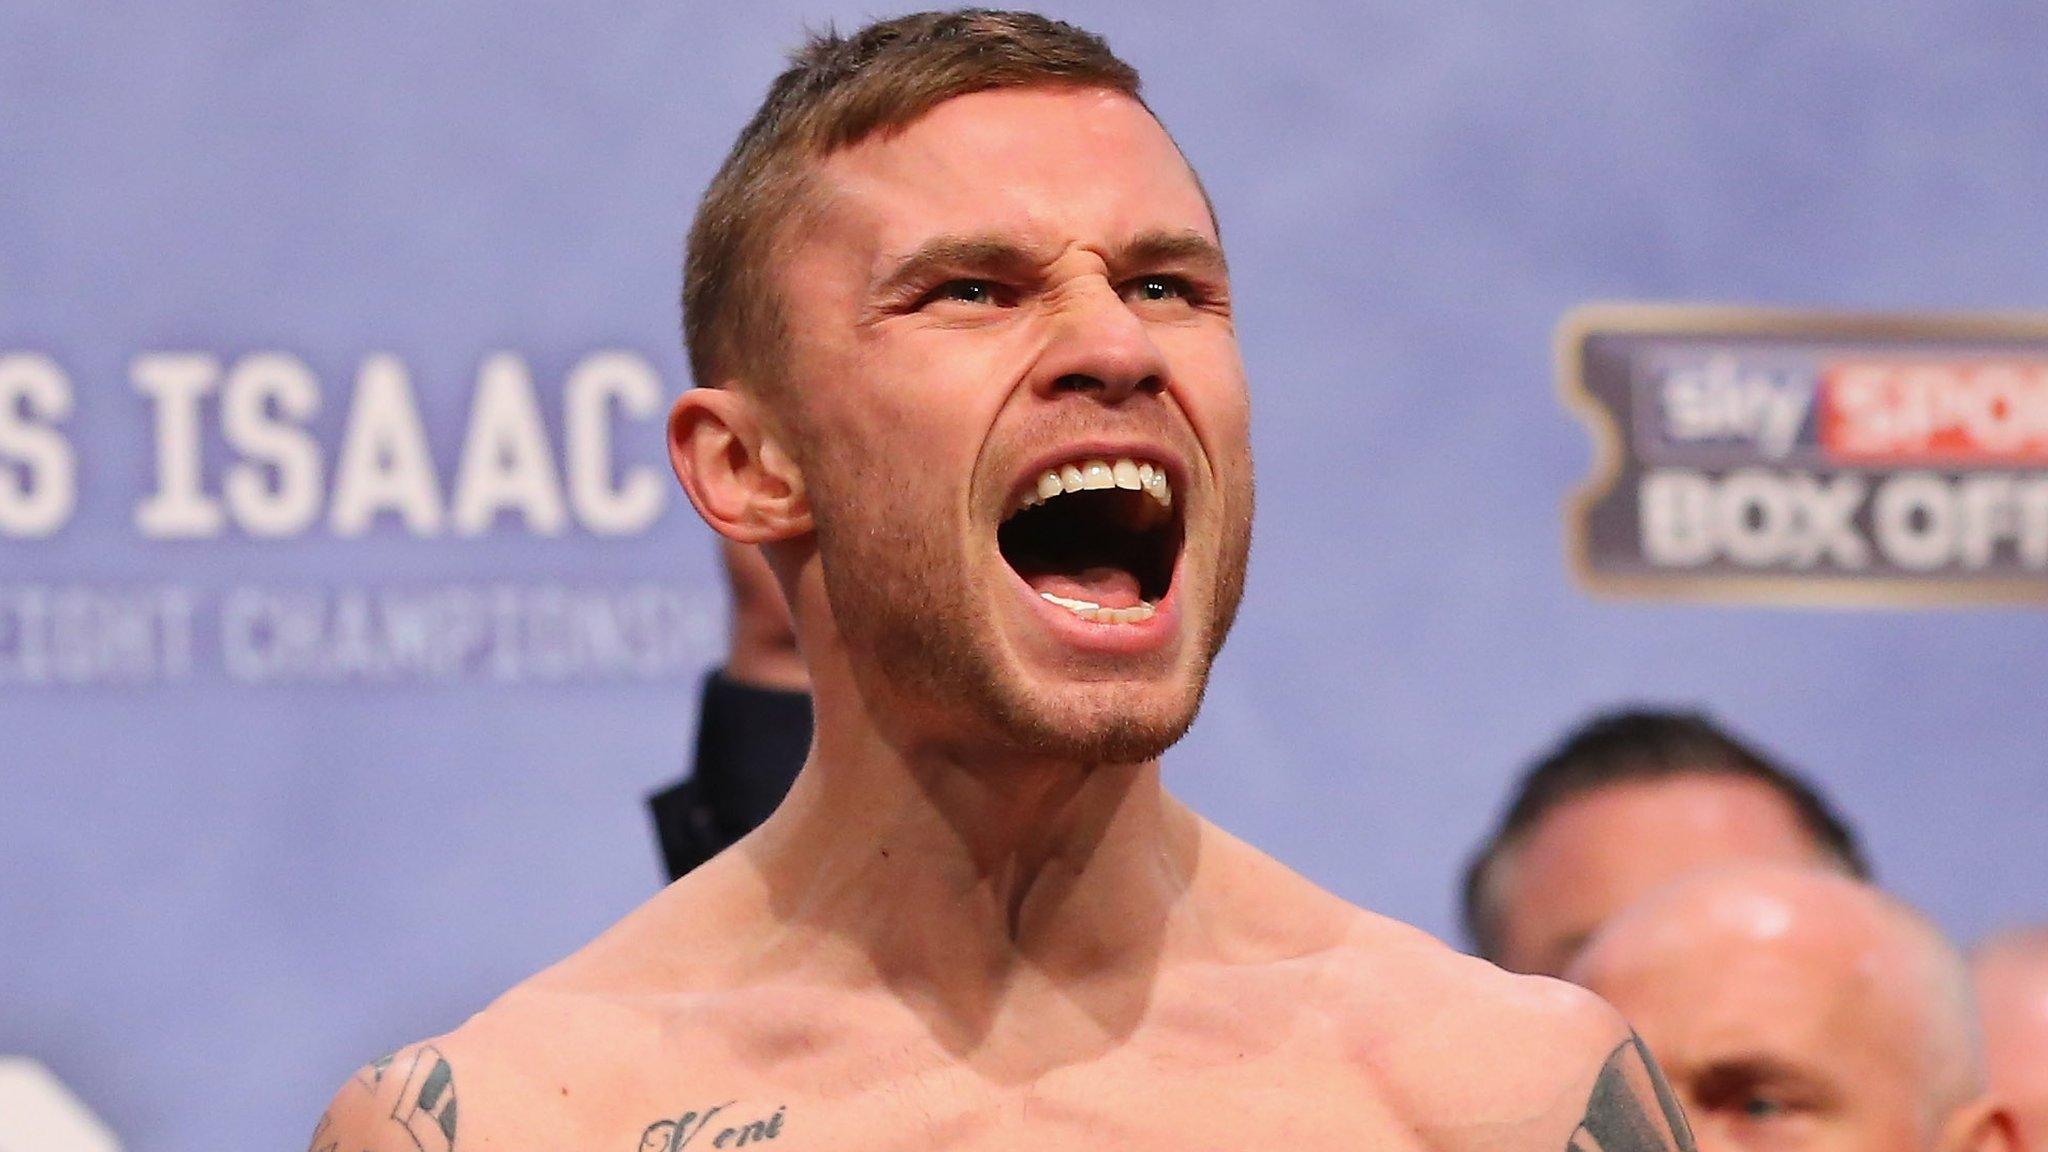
{"x":974,"y":885}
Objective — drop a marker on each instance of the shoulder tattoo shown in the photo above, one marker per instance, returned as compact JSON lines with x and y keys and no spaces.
{"x":411,"y":1092}
{"x":1632,"y":1109}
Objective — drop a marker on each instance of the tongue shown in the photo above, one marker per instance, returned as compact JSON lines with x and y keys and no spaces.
{"x":1106,"y":587}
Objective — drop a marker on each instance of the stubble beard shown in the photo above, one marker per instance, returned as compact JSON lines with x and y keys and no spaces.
{"x":898,"y":594}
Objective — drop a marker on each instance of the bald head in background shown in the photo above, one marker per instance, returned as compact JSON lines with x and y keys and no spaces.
{"x":2011,"y":972}
{"x":1796,"y":1009}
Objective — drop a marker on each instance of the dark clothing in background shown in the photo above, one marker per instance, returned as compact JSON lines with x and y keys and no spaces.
{"x":750,"y":743}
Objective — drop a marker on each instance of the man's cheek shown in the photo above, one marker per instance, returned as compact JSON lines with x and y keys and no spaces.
{"x":1218,"y":407}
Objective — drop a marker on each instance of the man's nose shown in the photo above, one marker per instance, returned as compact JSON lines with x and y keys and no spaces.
{"x":1100,"y":346}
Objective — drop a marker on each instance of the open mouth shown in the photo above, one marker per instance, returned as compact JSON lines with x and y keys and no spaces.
{"x":1096,"y":537}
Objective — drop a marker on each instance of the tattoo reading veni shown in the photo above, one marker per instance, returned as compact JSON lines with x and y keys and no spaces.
{"x":1631,"y":1109}
{"x":682,"y":1132}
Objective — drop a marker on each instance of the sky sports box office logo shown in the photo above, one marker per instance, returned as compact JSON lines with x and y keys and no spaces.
{"x":1809,"y":458}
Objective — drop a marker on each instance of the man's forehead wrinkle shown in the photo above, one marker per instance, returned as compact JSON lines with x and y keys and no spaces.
{"x":956,"y":141}
{"x":1716,"y":1007}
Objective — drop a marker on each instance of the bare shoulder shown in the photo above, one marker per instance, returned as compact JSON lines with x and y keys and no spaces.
{"x":1482,"y":1059}
{"x":583,"y":1054}
{"x":504,"y":1079}
{"x":531,"y":1070}
{"x":404,"y":1102}
{"x":478,"y":1086}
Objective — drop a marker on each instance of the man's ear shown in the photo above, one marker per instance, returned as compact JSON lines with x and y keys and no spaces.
{"x":1982,"y":1125}
{"x":739,"y":477}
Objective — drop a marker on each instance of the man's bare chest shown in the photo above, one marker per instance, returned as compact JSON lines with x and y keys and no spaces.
{"x":1253,"y":1062}
{"x":1265,"y":1104}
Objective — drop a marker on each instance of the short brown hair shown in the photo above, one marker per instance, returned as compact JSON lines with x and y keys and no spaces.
{"x":1633,"y":744}
{"x":837,"y":92}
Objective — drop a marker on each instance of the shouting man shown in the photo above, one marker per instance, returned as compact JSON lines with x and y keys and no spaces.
{"x":962,"y":329}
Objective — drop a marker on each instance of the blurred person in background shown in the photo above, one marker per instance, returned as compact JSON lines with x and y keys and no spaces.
{"x":2011,"y":971}
{"x":753,"y":724}
{"x":1626,"y":802}
{"x":1798,"y":1010}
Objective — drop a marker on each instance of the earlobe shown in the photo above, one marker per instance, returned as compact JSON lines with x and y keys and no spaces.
{"x":739,"y":478}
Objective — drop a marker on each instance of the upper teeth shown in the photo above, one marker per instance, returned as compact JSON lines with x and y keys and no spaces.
{"x":1082,"y":475}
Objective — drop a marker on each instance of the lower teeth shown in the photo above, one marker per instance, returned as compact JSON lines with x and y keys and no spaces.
{"x":1097,"y":613}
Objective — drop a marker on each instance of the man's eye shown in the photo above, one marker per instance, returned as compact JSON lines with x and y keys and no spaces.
{"x":1741,"y":1097}
{"x":1762,"y":1108}
{"x":965,"y":292}
{"x":1156,"y":288}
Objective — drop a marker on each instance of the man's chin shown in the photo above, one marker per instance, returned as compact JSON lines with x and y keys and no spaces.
{"x":1100,"y":728}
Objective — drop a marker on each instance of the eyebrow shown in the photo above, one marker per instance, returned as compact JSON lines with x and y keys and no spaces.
{"x":1739,"y":1069}
{"x":994,"y":254}
{"x":999,"y":255}
{"x":1187,"y":248}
